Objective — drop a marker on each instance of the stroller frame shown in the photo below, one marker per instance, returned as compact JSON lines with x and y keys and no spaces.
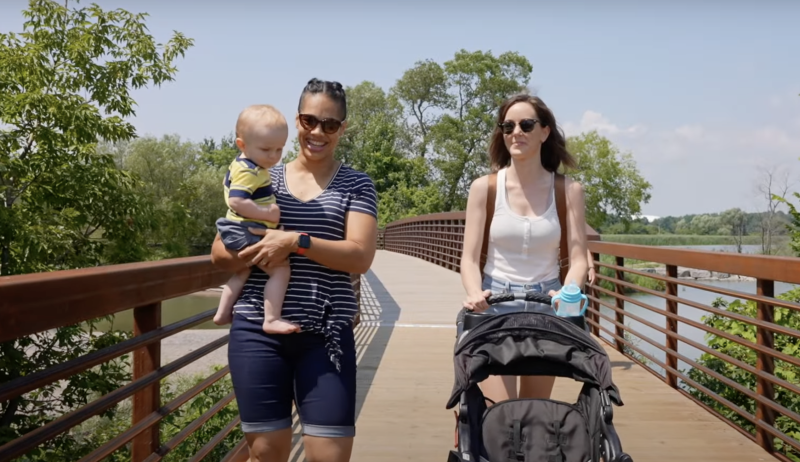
{"x":531,"y":343}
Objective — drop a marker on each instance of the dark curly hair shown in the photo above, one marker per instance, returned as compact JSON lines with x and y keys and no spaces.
{"x":333,"y":90}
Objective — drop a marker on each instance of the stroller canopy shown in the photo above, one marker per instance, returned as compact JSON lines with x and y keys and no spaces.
{"x":529,"y":343}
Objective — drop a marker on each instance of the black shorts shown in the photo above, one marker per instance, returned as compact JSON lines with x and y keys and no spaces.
{"x":270,"y":371}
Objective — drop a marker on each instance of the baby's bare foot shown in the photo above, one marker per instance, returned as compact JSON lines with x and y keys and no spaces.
{"x":280,"y":326}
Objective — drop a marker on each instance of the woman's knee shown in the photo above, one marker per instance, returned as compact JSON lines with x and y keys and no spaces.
{"x":499,"y":387}
{"x":274,"y":446}
{"x":539,"y":387}
{"x":324,"y":449}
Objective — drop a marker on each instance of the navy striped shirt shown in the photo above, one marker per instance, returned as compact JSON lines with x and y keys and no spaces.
{"x":318,"y":298}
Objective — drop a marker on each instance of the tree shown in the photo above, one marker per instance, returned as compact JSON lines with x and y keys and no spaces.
{"x":219,"y":155}
{"x":771,"y":184}
{"x":376,"y":143}
{"x":613,"y":186}
{"x":450,"y":111}
{"x":183,"y":181}
{"x":65,"y":84}
{"x":794,"y":225}
{"x":736,"y":220}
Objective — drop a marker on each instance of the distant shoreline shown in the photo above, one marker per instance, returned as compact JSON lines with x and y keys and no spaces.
{"x":213,"y":292}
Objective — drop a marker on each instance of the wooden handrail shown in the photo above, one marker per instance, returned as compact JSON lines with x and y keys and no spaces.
{"x":37,"y":302}
{"x":768,"y":267}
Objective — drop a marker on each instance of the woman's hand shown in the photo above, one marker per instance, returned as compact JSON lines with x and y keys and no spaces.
{"x":552,"y":294}
{"x":477,"y":302}
{"x":273,"y":249}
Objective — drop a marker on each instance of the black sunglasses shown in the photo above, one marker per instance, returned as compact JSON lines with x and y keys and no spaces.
{"x":329,"y":126}
{"x":526,"y":125}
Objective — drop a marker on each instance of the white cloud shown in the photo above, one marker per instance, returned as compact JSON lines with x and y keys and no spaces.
{"x":746,"y":144}
{"x":592,"y":120}
{"x":699,"y":168}
{"x":690,"y":132}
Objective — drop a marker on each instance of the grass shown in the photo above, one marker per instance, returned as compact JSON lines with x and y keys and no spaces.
{"x":681,"y":239}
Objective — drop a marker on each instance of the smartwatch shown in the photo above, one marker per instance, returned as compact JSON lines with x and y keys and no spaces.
{"x":303,"y":243}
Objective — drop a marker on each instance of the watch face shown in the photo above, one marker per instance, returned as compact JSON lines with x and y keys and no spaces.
{"x":305,"y":241}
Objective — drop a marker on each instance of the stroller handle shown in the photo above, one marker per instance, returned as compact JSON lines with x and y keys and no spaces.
{"x":529,"y":296}
{"x":473,"y":318}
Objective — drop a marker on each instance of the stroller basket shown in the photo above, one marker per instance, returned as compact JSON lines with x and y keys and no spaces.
{"x":532,"y":430}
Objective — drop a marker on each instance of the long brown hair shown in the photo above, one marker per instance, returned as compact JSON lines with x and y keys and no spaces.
{"x":554,"y":149}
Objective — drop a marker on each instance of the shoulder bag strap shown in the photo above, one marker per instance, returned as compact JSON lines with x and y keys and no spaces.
{"x":490,"y":198}
{"x":561,"y":207}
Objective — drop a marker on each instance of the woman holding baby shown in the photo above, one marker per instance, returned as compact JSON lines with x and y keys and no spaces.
{"x":329,"y":220}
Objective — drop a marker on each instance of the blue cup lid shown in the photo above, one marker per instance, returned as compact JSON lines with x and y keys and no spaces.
{"x":571,"y":293}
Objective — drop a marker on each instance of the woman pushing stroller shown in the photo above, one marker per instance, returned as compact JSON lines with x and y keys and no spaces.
{"x":515,"y":216}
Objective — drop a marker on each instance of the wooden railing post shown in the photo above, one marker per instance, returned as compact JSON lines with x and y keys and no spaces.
{"x":765,"y":362}
{"x":620,"y":318}
{"x":146,"y":360}
{"x":672,"y":326}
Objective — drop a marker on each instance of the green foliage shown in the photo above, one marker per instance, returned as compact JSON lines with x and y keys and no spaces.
{"x":189,"y":412}
{"x":183,"y":182}
{"x":788,"y":345}
{"x":41,"y":406}
{"x":219,"y":155}
{"x":97,"y":431}
{"x":449,"y":110}
{"x":65,"y":84}
{"x":793,"y":226}
{"x":374,"y":143}
{"x":678,"y":239}
{"x":611,"y":181}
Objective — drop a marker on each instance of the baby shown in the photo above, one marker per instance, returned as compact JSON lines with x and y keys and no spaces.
{"x":261,"y":133}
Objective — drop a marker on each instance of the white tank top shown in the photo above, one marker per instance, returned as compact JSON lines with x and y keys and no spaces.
{"x":522,"y":249}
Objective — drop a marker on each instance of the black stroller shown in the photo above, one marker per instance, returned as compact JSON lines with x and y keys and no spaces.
{"x":532,"y":430}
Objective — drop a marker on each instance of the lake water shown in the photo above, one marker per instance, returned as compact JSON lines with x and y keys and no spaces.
{"x":177,"y":309}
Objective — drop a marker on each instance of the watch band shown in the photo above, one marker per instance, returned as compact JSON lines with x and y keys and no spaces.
{"x":303,"y":243}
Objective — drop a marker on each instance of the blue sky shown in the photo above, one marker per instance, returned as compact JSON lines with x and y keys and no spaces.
{"x":701,"y":93}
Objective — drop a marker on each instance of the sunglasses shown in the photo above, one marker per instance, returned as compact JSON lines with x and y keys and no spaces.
{"x":526,"y":125}
{"x":329,"y":126}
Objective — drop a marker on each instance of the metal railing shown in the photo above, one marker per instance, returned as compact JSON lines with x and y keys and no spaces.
{"x":650,"y":287}
{"x":35,"y":303}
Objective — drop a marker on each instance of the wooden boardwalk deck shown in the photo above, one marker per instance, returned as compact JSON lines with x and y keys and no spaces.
{"x":405,"y":377}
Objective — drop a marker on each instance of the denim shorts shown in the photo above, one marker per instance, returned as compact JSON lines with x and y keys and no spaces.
{"x":514,"y":306}
{"x":236,"y":235}
{"x":271,"y":372}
